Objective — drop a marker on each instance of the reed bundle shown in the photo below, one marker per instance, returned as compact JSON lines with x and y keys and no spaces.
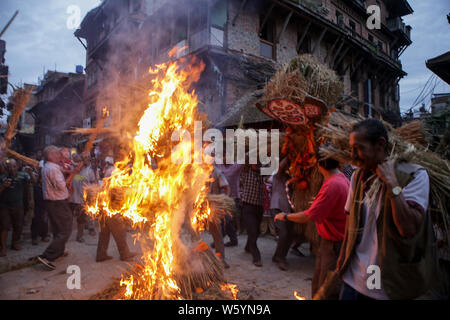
{"x":221,"y":205}
{"x":20,"y":100}
{"x":413,"y":132}
{"x":400,"y":150}
{"x":82,"y":131}
{"x":24,"y":159}
{"x":305,"y":75}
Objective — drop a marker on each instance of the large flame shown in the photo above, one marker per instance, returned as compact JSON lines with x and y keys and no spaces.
{"x":148,"y":188}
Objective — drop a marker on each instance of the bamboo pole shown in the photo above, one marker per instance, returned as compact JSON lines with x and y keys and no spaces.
{"x":18,"y":156}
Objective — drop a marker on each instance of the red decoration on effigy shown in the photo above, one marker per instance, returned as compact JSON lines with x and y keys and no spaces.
{"x":292,"y":113}
{"x":311,"y":110}
{"x":287,"y":111}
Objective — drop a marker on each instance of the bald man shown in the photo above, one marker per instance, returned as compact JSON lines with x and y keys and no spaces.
{"x":56,"y":196}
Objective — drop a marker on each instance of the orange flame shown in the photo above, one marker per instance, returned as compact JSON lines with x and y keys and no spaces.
{"x":160,"y":197}
{"x":298,"y":297}
{"x":232,"y":288}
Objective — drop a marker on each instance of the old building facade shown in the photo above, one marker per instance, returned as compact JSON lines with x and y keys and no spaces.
{"x":242,"y":43}
{"x":58,"y":107}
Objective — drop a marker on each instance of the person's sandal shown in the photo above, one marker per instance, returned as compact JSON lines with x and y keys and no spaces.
{"x":46,"y":263}
{"x":257,"y":263}
{"x":282,"y":265}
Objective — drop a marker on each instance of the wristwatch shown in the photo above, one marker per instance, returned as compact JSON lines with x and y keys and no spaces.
{"x":285,"y":217}
{"x":396,"y":190}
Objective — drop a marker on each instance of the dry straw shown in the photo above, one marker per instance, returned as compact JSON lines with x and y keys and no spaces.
{"x":338,"y":130}
{"x":19,"y":99}
{"x":305,"y":74}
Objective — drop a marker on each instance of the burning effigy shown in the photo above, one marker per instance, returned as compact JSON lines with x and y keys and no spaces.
{"x":166,"y":201}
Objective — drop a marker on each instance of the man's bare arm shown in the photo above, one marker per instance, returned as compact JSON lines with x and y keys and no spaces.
{"x":406,"y":218}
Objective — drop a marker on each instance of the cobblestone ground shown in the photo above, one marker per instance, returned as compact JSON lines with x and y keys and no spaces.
{"x":35,"y":282}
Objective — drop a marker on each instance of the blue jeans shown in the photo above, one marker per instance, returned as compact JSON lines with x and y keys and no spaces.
{"x":348,"y":293}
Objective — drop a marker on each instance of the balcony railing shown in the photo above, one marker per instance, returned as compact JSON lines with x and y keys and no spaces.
{"x":313,"y":5}
{"x":360,"y":2}
{"x":397,"y":24}
{"x":375,"y":48}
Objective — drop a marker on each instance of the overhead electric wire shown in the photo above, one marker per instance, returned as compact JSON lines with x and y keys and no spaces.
{"x":414,"y":104}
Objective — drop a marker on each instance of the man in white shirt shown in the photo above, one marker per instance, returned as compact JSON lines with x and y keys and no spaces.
{"x":55,"y":195}
{"x":387,"y":251}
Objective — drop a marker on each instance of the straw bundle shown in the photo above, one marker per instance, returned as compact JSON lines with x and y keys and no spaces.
{"x":90,"y":130}
{"x":337,"y":132}
{"x":322,"y":82}
{"x":288,"y":85}
{"x":18,"y":156}
{"x":212,"y":291}
{"x":221,"y":205}
{"x":305,"y":74}
{"x":413,"y":132}
{"x":19,"y":99}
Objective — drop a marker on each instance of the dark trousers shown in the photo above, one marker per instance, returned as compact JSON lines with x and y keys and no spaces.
{"x":115,"y":226}
{"x":12,"y":219}
{"x":348,"y":293}
{"x":239,"y":217}
{"x":252,"y":217}
{"x":326,"y":259}
{"x":39,"y":224}
{"x":237,"y":214}
{"x":216,"y":232}
{"x":60,"y":217}
{"x":228,"y":229}
{"x":285,"y":238}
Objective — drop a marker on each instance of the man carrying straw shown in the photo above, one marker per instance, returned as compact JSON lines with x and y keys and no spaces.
{"x":387,"y":251}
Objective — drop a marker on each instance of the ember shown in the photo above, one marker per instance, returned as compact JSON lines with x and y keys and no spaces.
{"x":298,"y":297}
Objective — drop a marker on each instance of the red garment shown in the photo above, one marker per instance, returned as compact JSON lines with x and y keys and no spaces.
{"x":66,"y":164}
{"x":328,"y":208}
{"x":267,"y":193}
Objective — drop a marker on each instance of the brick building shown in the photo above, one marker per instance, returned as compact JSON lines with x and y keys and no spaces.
{"x":58,"y":107}
{"x":242,"y":43}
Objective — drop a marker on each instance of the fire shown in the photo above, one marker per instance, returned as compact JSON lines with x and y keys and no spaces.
{"x":298,"y":297}
{"x":154,"y":192}
{"x":232,"y":288}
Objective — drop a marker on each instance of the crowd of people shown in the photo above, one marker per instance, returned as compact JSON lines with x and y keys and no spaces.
{"x":356,"y":232}
{"x":53,"y":192}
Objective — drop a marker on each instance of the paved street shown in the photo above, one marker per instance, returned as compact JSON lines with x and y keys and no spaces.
{"x":34,"y":282}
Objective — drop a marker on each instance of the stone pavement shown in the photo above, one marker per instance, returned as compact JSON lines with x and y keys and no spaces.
{"x":35,"y":282}
{"x":269,"y":282}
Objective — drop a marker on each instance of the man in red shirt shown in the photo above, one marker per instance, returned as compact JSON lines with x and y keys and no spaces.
{"x":327,"y":211}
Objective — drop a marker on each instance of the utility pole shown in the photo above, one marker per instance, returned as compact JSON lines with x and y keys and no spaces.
{"x":4,"y":71}
{"x":9,"y":23}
